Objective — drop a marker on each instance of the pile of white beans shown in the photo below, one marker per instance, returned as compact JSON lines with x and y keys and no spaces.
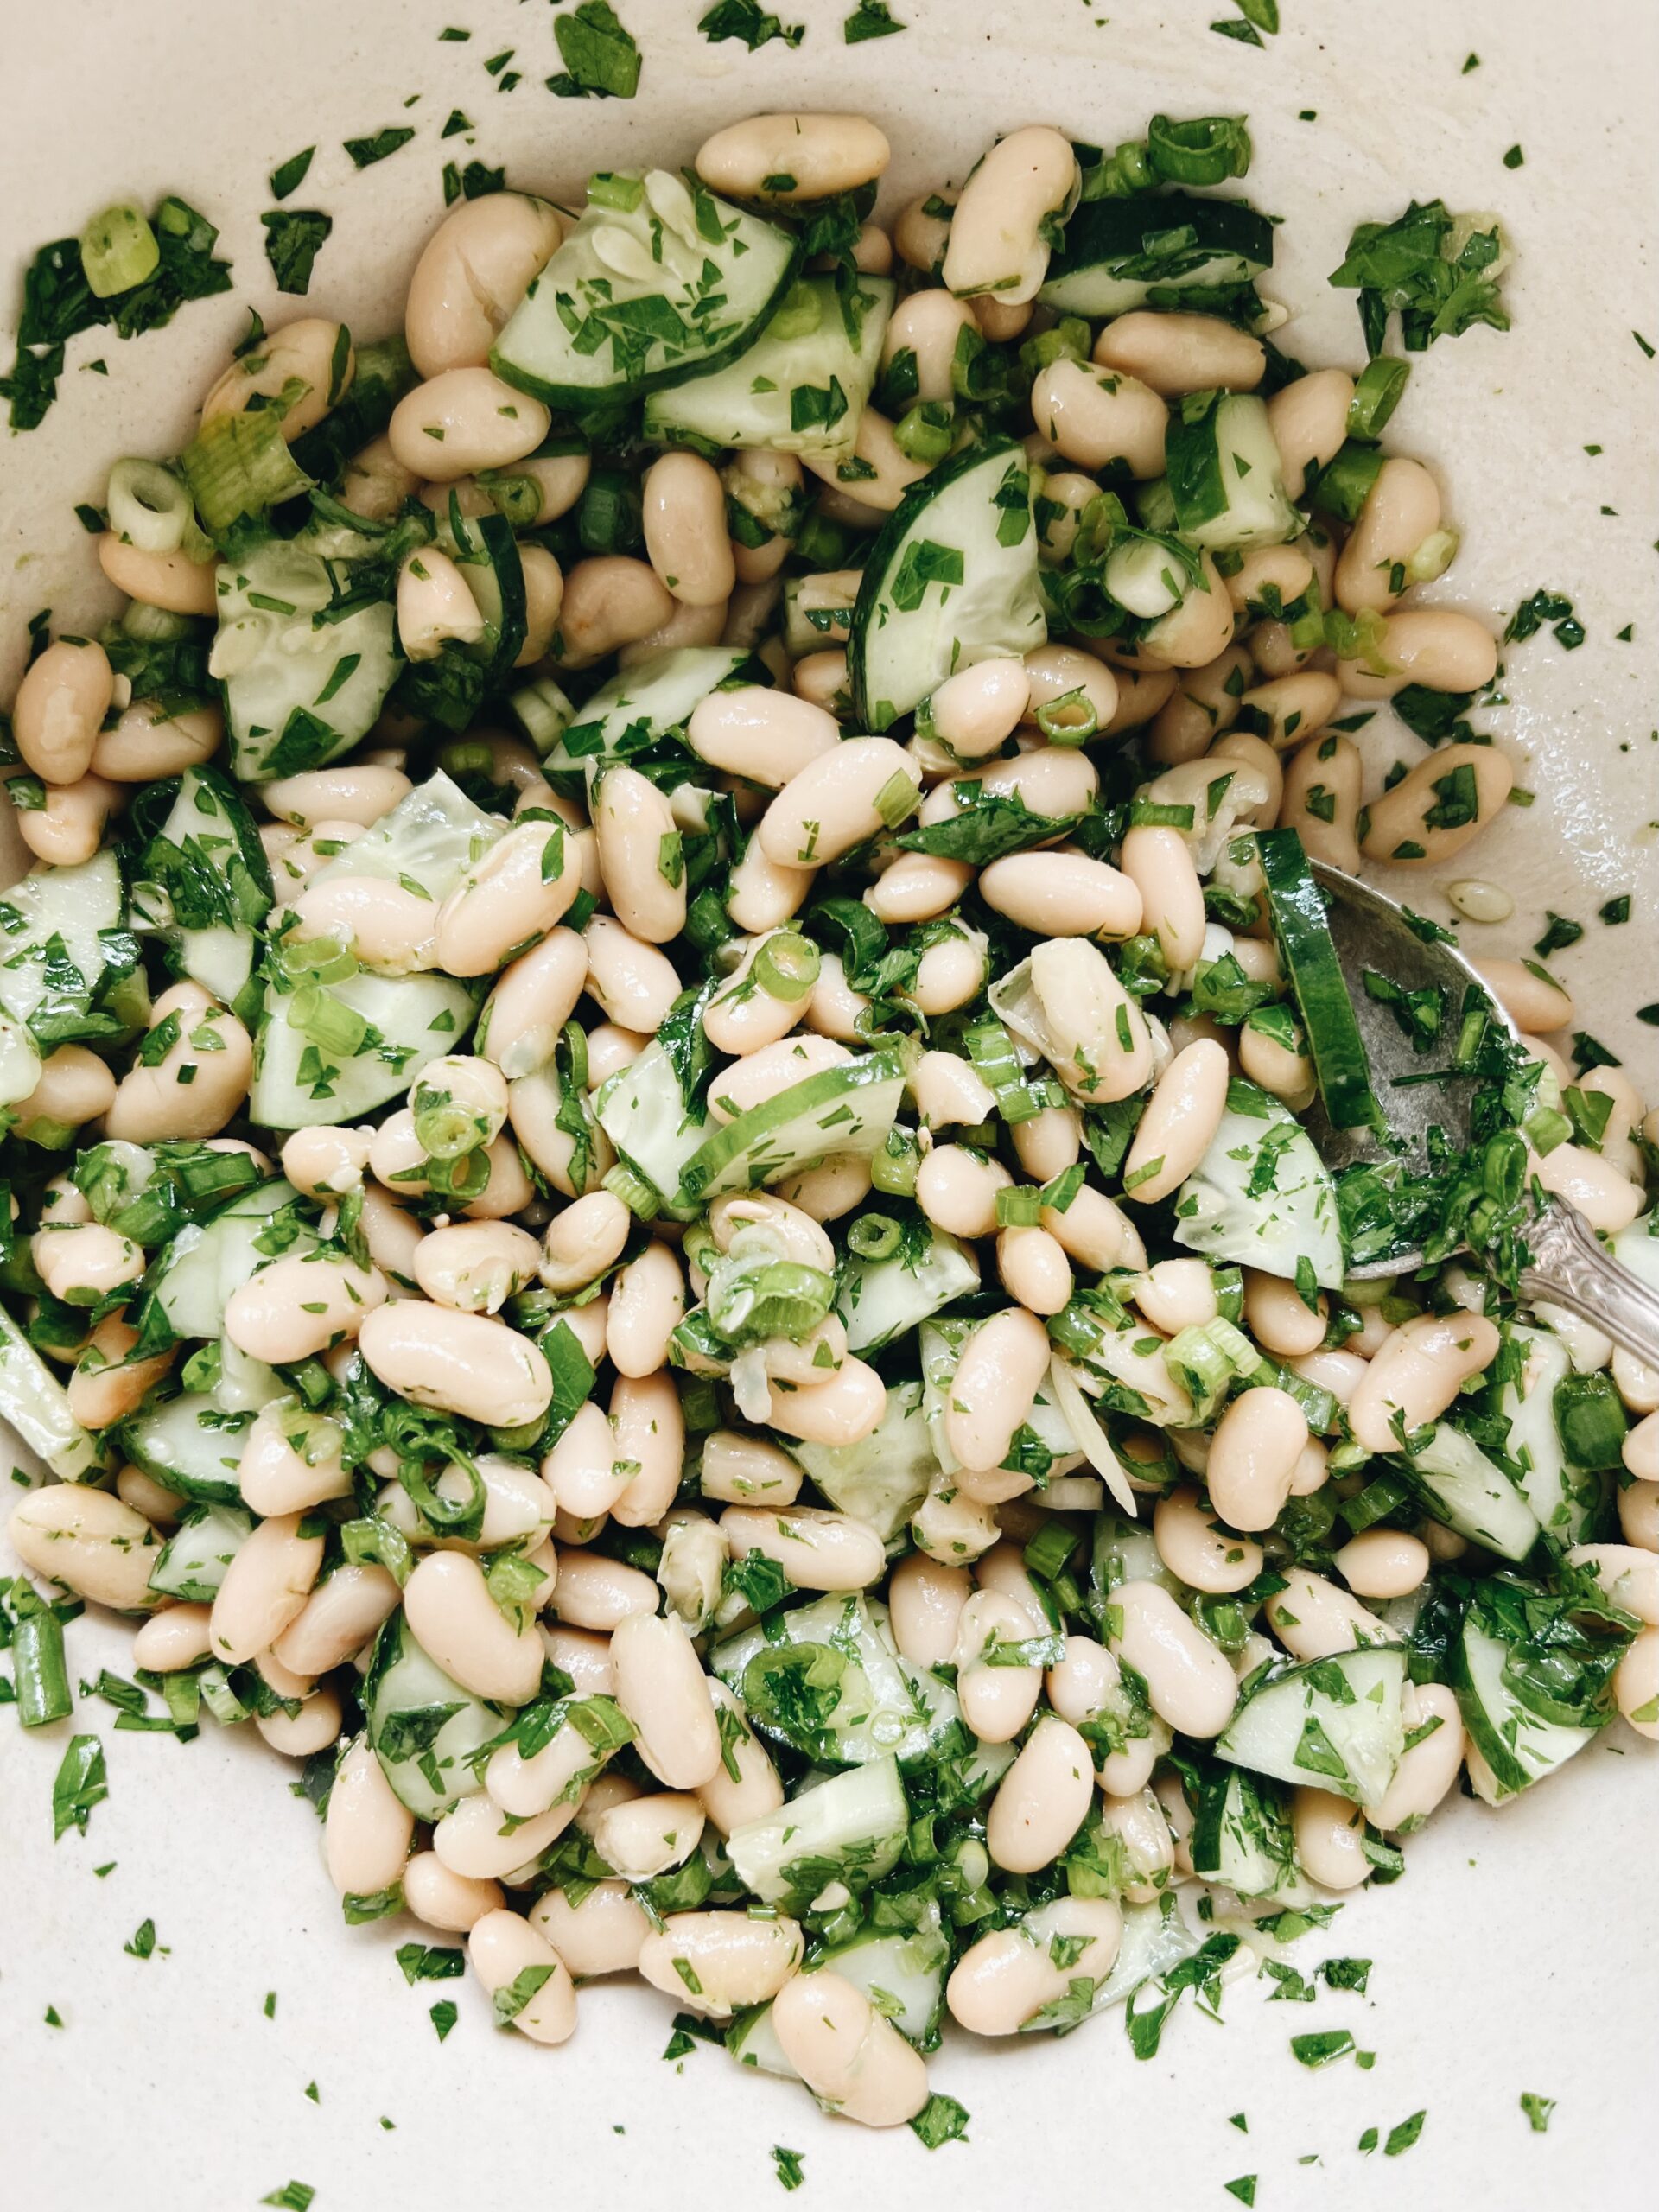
{"x":427,"y":1310}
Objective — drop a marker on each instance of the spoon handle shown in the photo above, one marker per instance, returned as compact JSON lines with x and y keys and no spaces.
{"x":1570,"y":1268}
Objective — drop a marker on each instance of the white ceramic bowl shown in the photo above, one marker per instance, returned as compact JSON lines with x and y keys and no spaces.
{"x":1519,"y":1954}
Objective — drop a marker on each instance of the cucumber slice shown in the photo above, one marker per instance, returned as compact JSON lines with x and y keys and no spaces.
{"x":1334,"y":1724}
{"x":951,"y":580}
{"x":642,"y":1111}
{"x":827,"y":1679}
{"x":882,"y":1480}
{"x":422,"y":1725}
{"x":1460,"y":1486}
{"x":1310,"y":957}
{"x":848,"y":1109}
{"x":194,"y":1279}
{"x":194,"y":1558}
{"x":1262,"y":1196}
{"x":1123,"y":1551}
{"x":413,"y":1020}
{"x":1519,"y":1746}
{"x":1225,"y":476}
{"x":208,"y":860}
{"x":191,"y":1444}
{"x":1120,"y":254}
{"x":35,"y":1403}
{"x":1241,"y":1836}
{"x":20,"y":1063}
{"x":642,"y":297}
{"x":53,"y":961}
{"x":800,"y":393}
{"x":296,"y":694}
{"x":850,"y":1829}
{"x":427,"y":841}
{"x":880,"y":1301}
{"x":901,"y":1972}
{"x":1563,"y":1500}
{"x":638,"y":707}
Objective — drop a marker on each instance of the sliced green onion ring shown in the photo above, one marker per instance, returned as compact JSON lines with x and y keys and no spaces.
{"x":786,"y":966}
{"x":147,"y":506}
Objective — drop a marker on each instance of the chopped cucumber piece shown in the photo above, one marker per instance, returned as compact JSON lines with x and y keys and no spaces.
{"x":1315,"y":973}
{"x":1241,"y":1836}
{"x":801,"y":393}
{"x":1460,"y":1486}
{"x":297,"y":694}
{"x":826,"y":1679}
{"x":882,"y":1480}
{"x":427,"y":842}
{"x":35,"y":1403}
{"x":207,"y":860}
{"x":409,"y":1019}
{"x":207,"y":1261}
{"x":637,"y":708}
{"x":883,"y":1299}
{"x":1153,"y":249}
{"x":194,"y":1558}
{"x":1519,"y":1744}
{"x":1334,"y":1724}
{"x":193,"y":1444}
{"x":951,"y":580}
{"x":847,"y":1108}
{"x":1261,"y":1195}
{"x":1224,"y":474}
{"x":422,"y":1725}
{"x":54,"y":963}
{"x":639,"y":297}
{"x":642,"y":1111}
{"x":850,"y":1829}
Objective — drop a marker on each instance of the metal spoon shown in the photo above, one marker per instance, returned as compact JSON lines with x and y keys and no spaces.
{"x":1568,"y":1266}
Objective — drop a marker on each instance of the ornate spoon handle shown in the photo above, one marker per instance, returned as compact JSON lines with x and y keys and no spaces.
{"x":1570,"y":1268}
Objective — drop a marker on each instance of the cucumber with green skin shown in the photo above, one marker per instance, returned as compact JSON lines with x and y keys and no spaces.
{"x":951,"y":580}
{"x":1519,"y":1745}
{"x":196,"y":1558}
{"x":642,"y":1111}
{"x":415,"y":1018}
{"x":52,"y":961}
{"x":1297,"y":912}
{"x":1117,"y":253}
{"x":1452,"y":1478}
{"x":427,"y":842}
{"x":1241,"y":1836}
{"x":800,"y":393}
{"x":1334,"y":1724}
{"x":631,"y":303}
{"x":208,"y":1261}
{"x":36,"y":1404}
{"x":636,"y":707}
{"x":423,"y":1725}
{"x":207,"y":858}
{"x":1223,"y":472}
{"x":849,"y":1108}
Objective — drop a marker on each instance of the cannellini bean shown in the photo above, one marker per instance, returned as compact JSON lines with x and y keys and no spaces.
{"x":1534,"y":1001}
{"x":1428,"y":1769}
{"x":891,"y":472}
{"x":604,"y":1933}
{"x":337,"y":1619}
{"x":69,"y":829}
{"x":199,"y":1082}
{"x":1005,"y":1978}
{"x":1638,"y":1501}
{"x":89,"y":1543}
{"x":818,"y":1549}
{"x":1175,"y":354}
{"x":1321,"y":800}
{"x":147,"y":741}
{"x":367,"y":1829}
{"x":766,"y":737}
{"x":956,"y":1190}
{"x":1293,"y":707}
{"x":1418,"y":1373}
{"x":1433,"y":646}
{"x":1278,"y":1317}
{"x":327,"y":1163}
{"x":636,"y":829}
{"x":1636,"y":1684}
{"x":684,"y":521}
{"x":1197,"y":1550}
{"x":1097,"y":416}
{"x":1383,"y":1563}
{"x":643,"y":1837}
{"x":1042,"y":1800}
{"x":475,"y":1267}
{"x":505,"y":901}
{"x":820,"y":155}
{"x":472,"y":272}
{"x":312,"y":1729}
{"x":1177,"y":1295}
{"x":754,"y":1791}
{"x":264,"y":1589}
{"x":177,"y":1638}
{"x":609,"y":601}
{"x":973,"y":712}
{"x":996,"y":1701}
{"x":1095,"y":1232}
{"x":733,"y":1961}
{"x":837,"y":802}
{"x":462,"y":420}
{"x":1188,"y":1681}
{"x":312,"y":352}
{"x":170,"y":581}
{"x":1309,"y":421}
{"x":1034,"y":1268}
{"x":360,"y":793}
{"x":464,"y":1363}
{"x":596,"y":1592}
{"x":445,"y":1900}
{"x":925,"y":1599}
{"x":741,"y":1470}
{"x":1201,"y":705}
{"x":1137,"y":1824}
{"x":1159,"y":864}
{"x":1401,"y":514}
{"x":501,"y":1948}
{"x":847,"y":2053}
{"x":1628,"y":1574}
{"x":1098,"y":1042}
{"x":298,"y":1306}
{"x":633,"y":982}
{"x":647,"y":1304}
{"x":1330,"y":1835}
{"x":997,"y":243}
{"x":84,"y":1262}
{"x":1179,"y":1123}
{"x":1088,"y":1683}
{"x":1062,"y":895}
{"x":476,"y":1840}
{"x":291,"y":1462}
{"x":584,"y":1240}
{"x":1001,"y":1367}
{"x":1314,"y":1619}
{"x":661,"y":1687}
{"x":1590,"y":1185}
{"x":1397,"y":827}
